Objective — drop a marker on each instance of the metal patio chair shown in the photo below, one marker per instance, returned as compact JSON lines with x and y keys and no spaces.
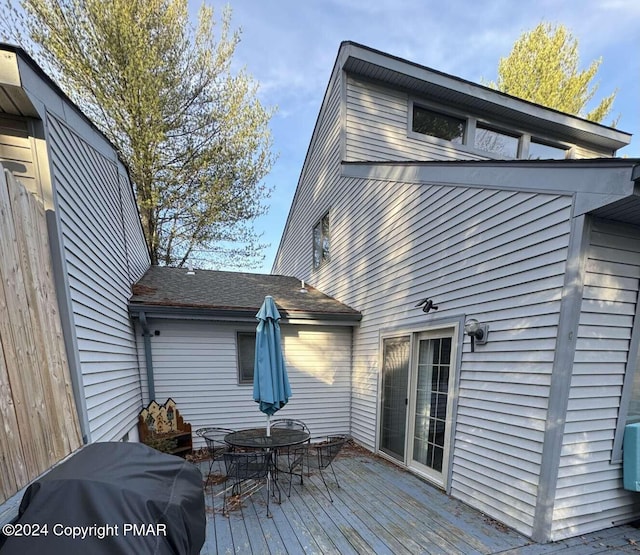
{"x":317,"y":456}
{"x":285,"y":461}
{"x":214,"y":439}
{"x":289,"y":423}
{"x":242,"y":467}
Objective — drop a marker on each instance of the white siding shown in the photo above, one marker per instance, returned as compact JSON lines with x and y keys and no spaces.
{"x":377,"y":128}
{"x":495,"y":255}
{"x":321,"y":171}
{"x":195,"y":363}
{"x":137,"y":251}
{"x":581,"y":151}
{"x":96,"y":219}
{"x":498,"y":256}
{"x":589,"y":492}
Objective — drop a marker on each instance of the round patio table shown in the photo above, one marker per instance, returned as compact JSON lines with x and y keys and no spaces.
{"x":256,"y":438}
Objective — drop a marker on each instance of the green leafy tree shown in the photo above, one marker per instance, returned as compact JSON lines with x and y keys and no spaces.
{"x":192,"y":132}
{"x":543,"y":68}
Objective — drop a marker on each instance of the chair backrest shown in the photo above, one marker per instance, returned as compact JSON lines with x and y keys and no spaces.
{"x":246,"y":466}
{"x":214,"y":438}
{"x":328,"y":450}
{"x":289,"y":423}
{"x":212,"y":433}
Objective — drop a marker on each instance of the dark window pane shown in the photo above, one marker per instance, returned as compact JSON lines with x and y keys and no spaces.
{"x":438,"y":125}
{"x":395,"y":376}
{"x":437,"y":458}
{"x":441,"y":407}
{"x":443,"y":383}
{"x":496,"y":142}
{"x":446,"y":350}
{"x":436,"y":351}
{"x":246,"y":342}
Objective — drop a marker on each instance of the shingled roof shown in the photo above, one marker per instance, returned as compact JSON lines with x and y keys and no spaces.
{"x":235,"y":294}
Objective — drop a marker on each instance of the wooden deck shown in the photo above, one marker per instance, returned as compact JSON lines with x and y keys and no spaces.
{"x":379,"y":509}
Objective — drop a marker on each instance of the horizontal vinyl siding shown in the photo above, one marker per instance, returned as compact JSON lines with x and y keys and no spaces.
{"x":377,"y":128}
{"x":195,"y":363}
{"x":319,"y":175}
{"x":137,"y":250}
{"x":589,"y":494}
{"x":101,"y":266}
{"x":590,"y":152}
{"x":498,"y":256}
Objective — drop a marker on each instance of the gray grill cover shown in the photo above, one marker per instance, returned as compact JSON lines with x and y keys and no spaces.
{"x":105,"y":489}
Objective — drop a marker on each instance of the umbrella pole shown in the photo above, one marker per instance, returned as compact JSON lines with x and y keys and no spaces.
{"x":269,"y":472}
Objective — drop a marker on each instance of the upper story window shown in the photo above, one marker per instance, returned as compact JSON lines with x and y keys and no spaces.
{"x":474,"y":135}
{"x":497,"y":142}
{"x":321,"y":241}
{"x":542,"y":151}
{"x":246,"y":348}
{"x":436,"y":124}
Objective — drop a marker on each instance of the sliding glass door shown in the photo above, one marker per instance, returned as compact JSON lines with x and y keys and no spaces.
{"x":417,"y":388}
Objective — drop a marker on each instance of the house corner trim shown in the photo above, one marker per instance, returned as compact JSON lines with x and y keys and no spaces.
{"x":561,"y":375}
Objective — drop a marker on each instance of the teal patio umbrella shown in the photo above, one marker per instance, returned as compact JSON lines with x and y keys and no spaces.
{"x":270,"y":381}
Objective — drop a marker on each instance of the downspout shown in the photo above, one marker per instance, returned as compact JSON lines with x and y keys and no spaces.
{"x":146,"y":334}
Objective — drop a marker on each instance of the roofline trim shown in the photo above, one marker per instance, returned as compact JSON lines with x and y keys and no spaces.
{"x":425,"y":73}
{"x":238,"y":314}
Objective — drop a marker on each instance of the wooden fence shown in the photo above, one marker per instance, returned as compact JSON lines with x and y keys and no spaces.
{"x":39,"y":423}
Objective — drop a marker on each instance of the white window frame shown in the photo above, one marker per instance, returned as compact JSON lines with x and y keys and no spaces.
{"x":472,"y":121}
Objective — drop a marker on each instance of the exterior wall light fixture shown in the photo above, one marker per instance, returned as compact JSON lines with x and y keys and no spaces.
{"x":427,"y":305}
{"x":478,"y":332}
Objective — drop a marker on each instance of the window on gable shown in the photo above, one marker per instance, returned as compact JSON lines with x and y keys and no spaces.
{"x":436,"y":124}
{"x":246,"y":347}
{"x":542,"y":151}
{"x":321,"y":241}
{"x":496,"y":142}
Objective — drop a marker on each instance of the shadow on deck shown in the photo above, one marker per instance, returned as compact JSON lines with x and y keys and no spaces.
{"x":379,"y":509}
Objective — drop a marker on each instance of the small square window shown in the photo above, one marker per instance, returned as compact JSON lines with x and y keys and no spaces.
{"x":321,"y":241}
{"x":246,"y":345}
{"x":438,"y":125}
{"x":496,"y":142}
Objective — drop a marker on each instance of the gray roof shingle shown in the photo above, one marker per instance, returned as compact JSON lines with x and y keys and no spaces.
{"x":237,"y":292}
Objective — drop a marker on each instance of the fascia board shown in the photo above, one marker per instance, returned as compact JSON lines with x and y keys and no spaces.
{"x":589,"y":179}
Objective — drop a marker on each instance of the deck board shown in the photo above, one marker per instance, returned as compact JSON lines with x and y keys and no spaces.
{"x":416,"y":511}
{"x":379,"y":509}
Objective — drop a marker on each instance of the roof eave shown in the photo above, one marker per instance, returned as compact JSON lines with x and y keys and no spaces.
{"x":238,"y":314}
{"x":393,"y":70}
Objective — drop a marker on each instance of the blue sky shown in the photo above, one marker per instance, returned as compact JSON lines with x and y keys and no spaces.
{"x":289,"y":47}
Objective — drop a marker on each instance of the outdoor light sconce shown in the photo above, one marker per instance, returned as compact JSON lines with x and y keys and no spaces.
{"x":477,"y":331}
{"x":427,"y":305}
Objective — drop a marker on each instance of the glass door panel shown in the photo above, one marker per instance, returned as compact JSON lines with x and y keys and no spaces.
{"x":433,"y":367}
{"x":395,"y":380}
